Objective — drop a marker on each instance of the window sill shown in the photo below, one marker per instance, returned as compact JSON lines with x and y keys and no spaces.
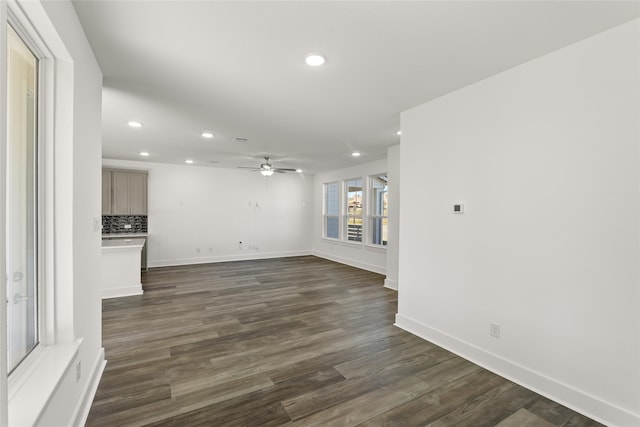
{"x":352,"y":243}
{"x":349,"y":243}
{"x":341,"y":242}
{"x":31,"y":386}
{"x":377,"y":247}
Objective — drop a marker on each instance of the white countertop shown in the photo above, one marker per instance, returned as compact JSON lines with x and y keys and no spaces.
{"x":124,"y":235}
{"x":115,"y":244}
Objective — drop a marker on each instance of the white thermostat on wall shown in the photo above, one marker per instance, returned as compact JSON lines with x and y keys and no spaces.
{"x":458,"y":208}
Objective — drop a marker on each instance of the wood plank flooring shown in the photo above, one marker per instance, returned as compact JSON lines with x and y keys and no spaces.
{"x":293,"y":341}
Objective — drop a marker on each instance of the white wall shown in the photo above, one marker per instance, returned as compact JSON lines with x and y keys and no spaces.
{"x":393,"y":244}
{"x":84,"y":169}
{"x":354,"y":254}
{"x":200,"y":214}
{"x":545,"y":157}
{"x":52,"y":393}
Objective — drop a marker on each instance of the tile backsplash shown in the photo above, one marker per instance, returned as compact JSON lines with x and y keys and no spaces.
{"x":112,"y":224}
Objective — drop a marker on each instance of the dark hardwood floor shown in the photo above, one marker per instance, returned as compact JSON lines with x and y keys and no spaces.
{"x":294,"y":341}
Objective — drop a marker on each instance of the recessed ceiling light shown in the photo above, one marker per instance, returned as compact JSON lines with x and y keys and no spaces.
{"x":144,"y":153}
{"x":355,"y":154}
{"x":207,"y":134}
{"x":299,"y":170}
{"x":314,"y":59}
{"x":188,"y":161}
{"x":399,"y":133}
{"x":135,"y":124}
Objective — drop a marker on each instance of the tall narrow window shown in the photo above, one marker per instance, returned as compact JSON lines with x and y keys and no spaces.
{"x":379,"y":210}
{"x":332,"y":210}
{"x":21,"y":200}
{"x":353,"y":195}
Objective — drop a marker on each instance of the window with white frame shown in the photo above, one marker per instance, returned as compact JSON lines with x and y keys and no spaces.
{"x":378,"y":203}
{"x":353,"y":205}
{"x":22,"y":236}
{"x":332,"y":210}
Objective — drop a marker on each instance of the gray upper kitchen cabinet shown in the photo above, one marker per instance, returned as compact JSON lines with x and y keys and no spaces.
{"x":106,"y":192}
{"x":128,"y":192}
{"x":138,"y":193}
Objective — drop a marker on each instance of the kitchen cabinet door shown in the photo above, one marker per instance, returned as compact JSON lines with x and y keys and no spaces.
{"x":120,"y":200}
{"x":137,"y":194}
{"x":106,"y":192}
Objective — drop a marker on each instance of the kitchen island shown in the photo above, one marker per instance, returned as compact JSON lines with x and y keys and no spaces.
{"x":127,"y":235}
{"x":121,"y":267}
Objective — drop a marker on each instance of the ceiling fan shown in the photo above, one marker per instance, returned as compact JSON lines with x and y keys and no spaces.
{"x":267,"y":169}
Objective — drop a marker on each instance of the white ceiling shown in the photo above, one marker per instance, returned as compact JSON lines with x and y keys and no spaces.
{"x":237,"y":69}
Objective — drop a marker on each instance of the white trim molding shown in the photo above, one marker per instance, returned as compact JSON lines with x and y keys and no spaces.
{"x":122,"y":292}
{"x":3,"y":144}
{"x":29,"y":398}
{"x":226,"y":258}
{"x":350,"y":261}
{"x":81,"y":412}
{"x":391,"y":284}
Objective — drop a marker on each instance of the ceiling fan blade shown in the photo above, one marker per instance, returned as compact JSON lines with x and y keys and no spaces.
{"x":284,"y":170}
{"x":248,"y":168}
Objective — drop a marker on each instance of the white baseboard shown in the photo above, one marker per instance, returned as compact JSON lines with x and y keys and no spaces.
{"x":84,"y":405}
{"x":591,"y":406}
{"x":391,"y":284}
{"x":122,"y":292}
{"x":351,"y":262}
{"x":248,"y":256}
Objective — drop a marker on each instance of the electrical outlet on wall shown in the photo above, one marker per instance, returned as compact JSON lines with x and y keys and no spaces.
{"x":494,"y":330}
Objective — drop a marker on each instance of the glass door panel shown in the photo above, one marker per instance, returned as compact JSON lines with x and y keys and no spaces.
{"x":21,"y":200}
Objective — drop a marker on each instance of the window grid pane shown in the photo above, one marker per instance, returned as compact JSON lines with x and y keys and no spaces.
{"x":332,"y":210}
{"x":379,"y":210}
{"x":332,"y":225}
{"x":333,"y":199}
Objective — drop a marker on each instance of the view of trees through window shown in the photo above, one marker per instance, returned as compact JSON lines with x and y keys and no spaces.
{"x":354,"y":209}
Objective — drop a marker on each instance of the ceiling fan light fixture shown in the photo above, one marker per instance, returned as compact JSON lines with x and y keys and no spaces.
{"x":207,"y":134}
{"x":134,"y":124}
{"x":314,"y":59}
{"x":356,"y":154}
{"x":266,"y":172}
